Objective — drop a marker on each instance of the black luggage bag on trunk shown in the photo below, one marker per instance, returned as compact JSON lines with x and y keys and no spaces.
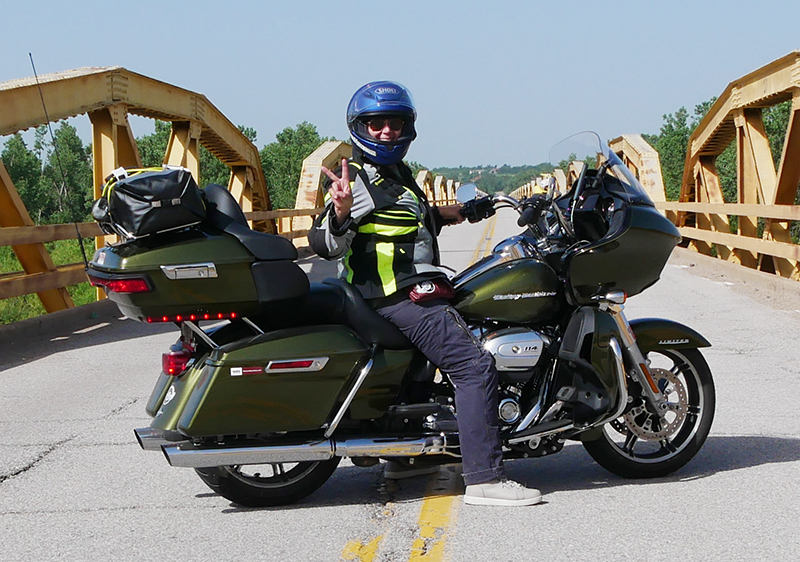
{"x":139,"y":202}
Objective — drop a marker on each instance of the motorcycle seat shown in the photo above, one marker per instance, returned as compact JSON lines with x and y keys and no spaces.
{"x":224,"y":213}
{"x":337,"y":302}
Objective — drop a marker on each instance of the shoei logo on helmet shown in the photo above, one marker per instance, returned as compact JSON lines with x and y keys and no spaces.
{"x":386,"y":90}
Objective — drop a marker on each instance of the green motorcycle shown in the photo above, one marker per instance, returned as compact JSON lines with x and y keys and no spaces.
{"x":274,"y":379}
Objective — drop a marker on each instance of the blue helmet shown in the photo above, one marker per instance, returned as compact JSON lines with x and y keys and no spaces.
{"x":381,"y":99}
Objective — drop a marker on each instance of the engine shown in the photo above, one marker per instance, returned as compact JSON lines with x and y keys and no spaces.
{"x":516,"y":352}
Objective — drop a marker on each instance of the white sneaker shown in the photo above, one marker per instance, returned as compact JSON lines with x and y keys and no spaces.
{"x":501,"y":492}
{"x":398,"y":471}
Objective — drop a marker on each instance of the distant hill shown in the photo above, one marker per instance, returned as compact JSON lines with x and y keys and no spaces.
{"x":495,"y":178}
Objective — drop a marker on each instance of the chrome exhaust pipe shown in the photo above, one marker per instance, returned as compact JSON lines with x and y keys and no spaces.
{"x":390,"y":447}
{"x":187,"y":454}
{"x":151,"y":439}
{"x":193,"y":456}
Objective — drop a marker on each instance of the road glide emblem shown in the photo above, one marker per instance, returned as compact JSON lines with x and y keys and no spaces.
{"x":517,"y":296}
{"x":673,"y":342}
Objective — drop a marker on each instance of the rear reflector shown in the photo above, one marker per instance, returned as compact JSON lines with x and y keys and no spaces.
{"x":304,"y":365}
{"x":278,"y":365}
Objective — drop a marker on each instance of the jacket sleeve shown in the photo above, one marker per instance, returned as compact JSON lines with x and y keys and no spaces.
{"x":328,"y":238}
{"x":438,"y":220}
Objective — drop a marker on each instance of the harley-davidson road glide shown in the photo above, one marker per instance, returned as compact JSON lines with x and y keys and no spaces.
{"x":274,"y":379}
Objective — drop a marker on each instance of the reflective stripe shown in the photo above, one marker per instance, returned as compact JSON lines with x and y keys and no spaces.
{"x":414,"y":195}
{"x":387,"y":230}
{"x":348,"y":271}
{"x":407,"y":215}
{"x":385,"y":254}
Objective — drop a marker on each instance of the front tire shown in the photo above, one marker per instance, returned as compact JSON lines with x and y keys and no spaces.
{"x":639,"y":444}
{"x":268,"y":485}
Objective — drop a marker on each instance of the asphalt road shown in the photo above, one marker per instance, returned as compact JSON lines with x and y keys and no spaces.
{"x":74,"y":485}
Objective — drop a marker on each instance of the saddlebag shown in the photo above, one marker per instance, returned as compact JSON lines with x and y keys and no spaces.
{"x":139,"y":202}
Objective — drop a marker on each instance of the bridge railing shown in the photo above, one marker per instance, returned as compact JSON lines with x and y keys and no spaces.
{"x":761,"y":236}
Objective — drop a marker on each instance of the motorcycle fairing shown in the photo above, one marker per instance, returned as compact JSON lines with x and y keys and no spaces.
{"x":637,"y":234}
{"x":586,"y":362}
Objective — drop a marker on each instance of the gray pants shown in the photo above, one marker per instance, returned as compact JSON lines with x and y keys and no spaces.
{"x":437,"y":330}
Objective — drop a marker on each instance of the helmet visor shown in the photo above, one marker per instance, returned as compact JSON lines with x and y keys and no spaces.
{"x":374,"y":127}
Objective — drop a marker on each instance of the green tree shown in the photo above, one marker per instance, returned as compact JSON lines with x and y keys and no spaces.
{"x":67,"y":177}
{"x":153,"y":147}
{"x":671,"y":144}
{"x":282,"y":161}
{"x":25,"y":169}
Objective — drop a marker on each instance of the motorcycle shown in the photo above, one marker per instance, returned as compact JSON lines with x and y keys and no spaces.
{"x":274,"y":379}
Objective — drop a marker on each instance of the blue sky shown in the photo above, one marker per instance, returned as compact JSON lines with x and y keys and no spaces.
{"x":494,"y":82}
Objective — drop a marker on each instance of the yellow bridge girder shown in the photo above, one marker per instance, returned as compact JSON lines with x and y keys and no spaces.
{"x":108,"y":95}
{"x":737,"y":116}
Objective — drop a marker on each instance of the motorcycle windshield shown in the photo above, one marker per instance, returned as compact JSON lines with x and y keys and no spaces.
{"x":587,"y":150}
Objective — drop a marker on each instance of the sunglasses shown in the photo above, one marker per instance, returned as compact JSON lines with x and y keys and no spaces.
{"x":378,"y":123}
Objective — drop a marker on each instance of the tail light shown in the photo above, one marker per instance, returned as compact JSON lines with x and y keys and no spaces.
{"x":137,"y":284}
{"x":177,"y":360}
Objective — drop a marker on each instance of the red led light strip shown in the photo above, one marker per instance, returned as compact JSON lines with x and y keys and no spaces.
{"x":193,"y":317}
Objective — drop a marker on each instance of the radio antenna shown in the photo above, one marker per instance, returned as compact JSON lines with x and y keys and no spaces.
{"x":58,"y":158}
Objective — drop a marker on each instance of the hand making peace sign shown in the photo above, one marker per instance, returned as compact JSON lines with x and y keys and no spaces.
{"x":340,"y":192}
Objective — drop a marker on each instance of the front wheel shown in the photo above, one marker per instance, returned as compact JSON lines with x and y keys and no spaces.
{"x":268,"y":485}
{"x":639,"y":444}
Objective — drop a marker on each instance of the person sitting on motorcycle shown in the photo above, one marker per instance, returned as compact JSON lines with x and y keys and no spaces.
{"x":378,"y":223}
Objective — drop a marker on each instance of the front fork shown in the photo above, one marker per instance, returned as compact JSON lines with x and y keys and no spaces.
{"x":612,"y":304}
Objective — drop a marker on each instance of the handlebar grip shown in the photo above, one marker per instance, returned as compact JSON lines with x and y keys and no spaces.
{"x":528,"y":216}
{"x":478,"y":209}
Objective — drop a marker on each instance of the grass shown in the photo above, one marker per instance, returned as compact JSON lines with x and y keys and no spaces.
{"x":62,"y":252}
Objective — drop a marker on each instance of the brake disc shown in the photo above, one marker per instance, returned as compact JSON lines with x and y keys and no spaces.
{"x":650,"y":427}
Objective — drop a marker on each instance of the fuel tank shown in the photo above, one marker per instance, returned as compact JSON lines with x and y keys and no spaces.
{"x":510,"y":285}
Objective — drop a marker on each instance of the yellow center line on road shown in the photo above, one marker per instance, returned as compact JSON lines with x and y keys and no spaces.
{"x":485,"y":242}
{"x":438,"y":515}
{"x":361,"y":552}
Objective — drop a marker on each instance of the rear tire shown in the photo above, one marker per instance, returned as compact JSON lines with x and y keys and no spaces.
{"x":268,"y":485}
{"x":638,"y":444}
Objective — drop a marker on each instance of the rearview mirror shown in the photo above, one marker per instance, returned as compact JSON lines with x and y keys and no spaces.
{"x":466,"y":192}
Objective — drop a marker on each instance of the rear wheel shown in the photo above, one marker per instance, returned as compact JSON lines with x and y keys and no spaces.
{"x":639,"y":444}
{"x":270,"y":484}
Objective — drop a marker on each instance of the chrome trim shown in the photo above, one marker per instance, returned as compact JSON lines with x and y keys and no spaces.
{"x":252,"y":324}
{"x":151,"y":439}
{"x":389,"y":447}
{"x":189,"y":455}
{"x":318,"y":363}
{"x":352,"y":394}
{"x":540,"y":435}
{"x":203,"y":336}
{"x":619,"y":363}
{"x":515,"y":349}
{"x":204,"y":270}
{"x":533,"y":415}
